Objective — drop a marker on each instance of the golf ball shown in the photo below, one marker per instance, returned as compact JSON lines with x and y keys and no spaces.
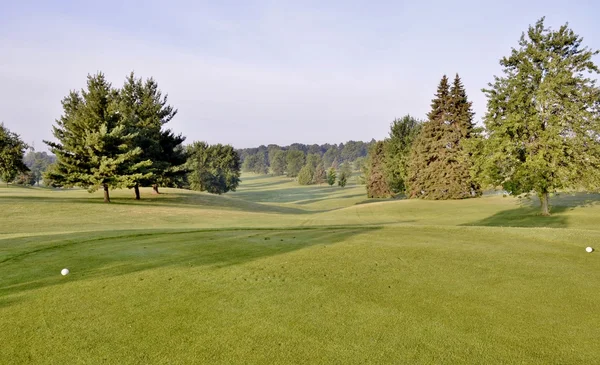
{"x":589,"y":249}
{"x":64,"y":272}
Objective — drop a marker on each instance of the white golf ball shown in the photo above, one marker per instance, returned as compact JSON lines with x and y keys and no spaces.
{"x":589,"y":249}
{"x":64,"y":272}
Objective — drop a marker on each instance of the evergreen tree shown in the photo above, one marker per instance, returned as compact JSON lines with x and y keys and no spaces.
{"x":438,"y":159}
{"x":313,"y":160}
{"x":12,"y":150}
{"x":331,"y":176}
{"x":329,"y":156}
{"x":543,"y":117}
{"x":402,"y":134}
{"x":306,"y":175}
{"x":346,"y":169}
{"x":215,"y":168}
{"x":145,"y":113}
{"x":94,"y":147}
{"x":320,"y":174}
{"x":343,"y":179}
{"x":278,"y":162}
{"x":295,"y":161}
{"x":377,"y":183}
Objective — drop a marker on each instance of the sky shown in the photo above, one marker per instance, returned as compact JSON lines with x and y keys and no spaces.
{"x":257,"y":72}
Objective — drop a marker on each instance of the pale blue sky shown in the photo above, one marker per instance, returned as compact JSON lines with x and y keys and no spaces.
{"x":257,"y":72}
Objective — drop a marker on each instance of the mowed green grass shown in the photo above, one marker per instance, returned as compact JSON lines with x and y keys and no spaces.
{"x":276,"y":273}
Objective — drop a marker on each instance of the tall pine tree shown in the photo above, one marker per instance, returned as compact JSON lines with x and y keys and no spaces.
{"x":145,"y":113}
{"x":94,"y":148}
{"x":439,"y":166}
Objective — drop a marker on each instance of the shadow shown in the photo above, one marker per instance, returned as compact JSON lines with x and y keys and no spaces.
{"x":190,"y":200}
{"x":310,"y":201}
{"x":524,"y":217}
{"x":262,"y":185}
{"x":29,"y":264}
{"x":528,"y":214}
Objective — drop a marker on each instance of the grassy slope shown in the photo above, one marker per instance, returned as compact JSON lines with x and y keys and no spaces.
{"x":277,"y":273}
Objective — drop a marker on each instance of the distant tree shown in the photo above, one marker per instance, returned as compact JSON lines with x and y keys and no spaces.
{"x":343,"y":179}
{"x":336,"y":163}
{"x":320,"y":174}
{"x":346,"y":168}
{"x":306,"y":175}
{"x":353,"y":150}
{"x":543,"y":117}
{"x":25,"y":178}
{"x":295,"y":161}
{"x":403,"y":132}
{"x":94,"y":149}
{"x":38,"y":163}
{"x":330,"y":155}
{"x":377,"y":182}
{"x":358,"y":163}
{"x":331,"y":176}
{"x":12,"y":149}
{"x":278,"y":162}
{"x":215,"y":168}
{"x":314,"y":149}
{"x":440,"y":166}
{"x":313,"y":160}
{"x":256,"y":164}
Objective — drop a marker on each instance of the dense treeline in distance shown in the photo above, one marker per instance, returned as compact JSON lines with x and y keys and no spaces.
{"x":541,"y":134}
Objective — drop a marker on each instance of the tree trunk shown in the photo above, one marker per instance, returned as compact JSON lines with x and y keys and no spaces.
{"x":136,"y":188}
{"x":544,"y":202}
{"x":106,"y":195}
{"x":155,"y":189}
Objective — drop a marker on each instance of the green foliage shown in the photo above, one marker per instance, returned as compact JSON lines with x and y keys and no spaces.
{"x":353,"y":150}
{"x":440,"y":167}
{"x":215,"y":168}
{"x":397,"y":146}
{"x":331,"y":176}
{"x":343,"y":179}
{"x":320,"y":174}
{"x":358,"y":164}
{"x":346,"y":168}
{"x":145,"y":113}
{"x":330,"y":155}
{"x":12,"y":149}
{"x":295,"y":161}
{"x":306,"y":175}
{"x":543,"y":118}
{"x":256,"y":164}
{"x":313,"y":160}
{"x":278,"y":162}
{"x":38,"y":163}
{"x":376,"y":179}
{"x":94,"y":147}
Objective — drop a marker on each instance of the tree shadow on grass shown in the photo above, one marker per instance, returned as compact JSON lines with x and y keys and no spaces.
{"x":28,"y":264}
{"x":529,"y":215}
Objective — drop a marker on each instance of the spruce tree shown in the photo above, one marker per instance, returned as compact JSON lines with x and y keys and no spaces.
{"x":543,"y":119}
{"x":145,"y":113}
{"x":94,"y":149}
{"x":439,"y":167}
{"x":377,"y":183}
{"x":331,"y":176}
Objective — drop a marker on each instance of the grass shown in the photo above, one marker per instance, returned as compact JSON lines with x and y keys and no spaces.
{"x":277,"y":273}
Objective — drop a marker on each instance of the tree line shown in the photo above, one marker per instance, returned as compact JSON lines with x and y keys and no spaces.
{"x":540,"y":134}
